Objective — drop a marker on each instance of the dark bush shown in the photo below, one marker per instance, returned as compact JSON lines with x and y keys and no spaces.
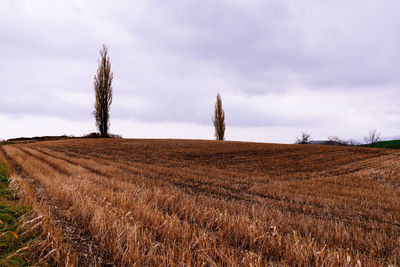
{"x":92,"y":135}
{"x":98,"y":135}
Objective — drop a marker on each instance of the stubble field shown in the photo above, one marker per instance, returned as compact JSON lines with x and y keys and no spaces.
{"x":206,"y":203}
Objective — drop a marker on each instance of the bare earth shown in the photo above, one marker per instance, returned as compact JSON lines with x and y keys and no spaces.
{"x":175,"y":202}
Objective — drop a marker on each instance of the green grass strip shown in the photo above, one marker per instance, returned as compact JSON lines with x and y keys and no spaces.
{"x":12,"y":244}
{"x":394,"y":144}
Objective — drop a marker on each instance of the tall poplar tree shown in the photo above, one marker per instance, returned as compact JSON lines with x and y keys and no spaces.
{"x":103,"y":91}
{"x":219,"y":119}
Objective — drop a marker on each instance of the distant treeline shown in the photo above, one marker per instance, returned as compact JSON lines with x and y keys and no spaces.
{"x":55,"y":137}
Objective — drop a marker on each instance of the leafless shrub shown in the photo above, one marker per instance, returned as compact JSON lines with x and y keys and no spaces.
{"x":353,"y":142}
{"x":373,"y":137}
{"x":303,"y":139}
{"x":335,"y":141}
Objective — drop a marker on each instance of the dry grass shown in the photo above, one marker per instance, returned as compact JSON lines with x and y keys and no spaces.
{"x":192,"y":203}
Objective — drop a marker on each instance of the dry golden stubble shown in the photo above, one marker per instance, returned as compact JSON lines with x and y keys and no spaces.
{"x":191,"y":204}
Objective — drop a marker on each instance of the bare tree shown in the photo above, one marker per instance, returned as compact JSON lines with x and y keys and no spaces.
{"x":219,"y":119}
{"x":304,"y":139}
{"x":353,"y":142}
{"x":334,"y":140}
{"x":103,"y":90}
{"x":373,"y":137}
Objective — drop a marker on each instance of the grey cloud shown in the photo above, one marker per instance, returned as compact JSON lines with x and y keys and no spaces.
{"x":172,"y":57}
{"x":43,"y":104}
{"x":342,"y":44}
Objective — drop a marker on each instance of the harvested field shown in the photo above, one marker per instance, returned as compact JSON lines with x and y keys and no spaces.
{"x":175,"y":202}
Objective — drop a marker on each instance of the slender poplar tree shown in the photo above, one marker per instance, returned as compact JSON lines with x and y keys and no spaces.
{"x":219,"y":119}
{"x":103,"y":91}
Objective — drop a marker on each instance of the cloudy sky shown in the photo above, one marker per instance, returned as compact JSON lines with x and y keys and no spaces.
{"x":281,"y":66}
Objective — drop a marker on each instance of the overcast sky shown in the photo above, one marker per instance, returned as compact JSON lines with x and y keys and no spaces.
{"x":326,"y":67}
